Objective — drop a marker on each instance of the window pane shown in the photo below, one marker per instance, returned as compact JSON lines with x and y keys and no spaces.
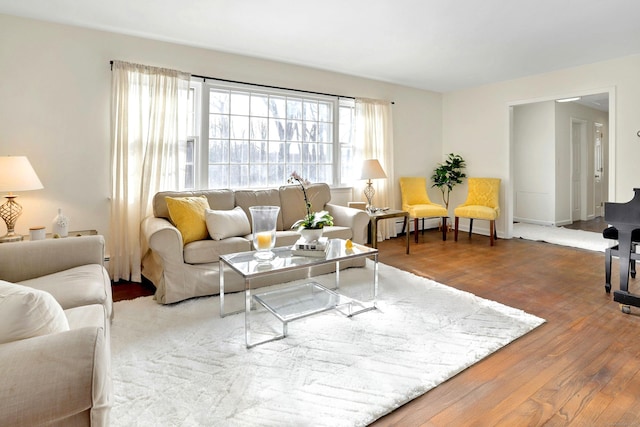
{"x":259,"y":128}
{"x":278,"y":175}
{"x":277,"y":152}
{"x":325,"y":112}
{"x":277,"y":107}
{"x":218,"y":176}
{"x":294,"y":153}
{"x":238,"y":176}
{"x":311,"y":111}
{"x":294,"y":109}
{"x":239,"y":152}
{"x":240,"y":103}
{"x":325,"y":173}
{"x":259,"y":152}
{"x":218,"y":151}
{"x":259,"y":105}
{"x":276,"y":130}
{"x":310,"y":131}
{"x":218,"y":102}
{"x":325,"y":132}
{"x":294,"y":131}
{"x":218,"y":126}
{"x":325,"y":153}
{"x":258,"y":176}
{"x":239,"y":127}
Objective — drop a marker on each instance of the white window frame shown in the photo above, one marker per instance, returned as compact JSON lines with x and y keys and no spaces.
{"x":201,"y":138}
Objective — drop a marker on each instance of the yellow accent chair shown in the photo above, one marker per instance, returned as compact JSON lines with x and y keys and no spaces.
{"x":415,"y":200}
{"x":482,"y":203}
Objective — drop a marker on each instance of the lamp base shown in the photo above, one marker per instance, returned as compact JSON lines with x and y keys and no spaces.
{"x":11,"y":237}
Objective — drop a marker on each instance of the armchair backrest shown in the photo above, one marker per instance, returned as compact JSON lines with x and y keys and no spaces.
{"x":414,"y":191}
{"x":484,"y":192}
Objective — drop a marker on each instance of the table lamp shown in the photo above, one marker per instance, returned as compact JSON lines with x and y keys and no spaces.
{"x":16,"y":174}
{"x":371,"y":169}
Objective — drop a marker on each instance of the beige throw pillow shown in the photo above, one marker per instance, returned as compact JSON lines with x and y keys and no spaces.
{"x":223,"y":224}
{"x":26,"y":312}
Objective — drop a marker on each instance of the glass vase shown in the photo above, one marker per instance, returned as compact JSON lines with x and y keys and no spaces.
{"x":263,"y":225}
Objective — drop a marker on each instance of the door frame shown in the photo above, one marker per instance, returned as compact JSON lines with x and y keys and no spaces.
{"x":584,"y":184}
{"x":611,"y":91}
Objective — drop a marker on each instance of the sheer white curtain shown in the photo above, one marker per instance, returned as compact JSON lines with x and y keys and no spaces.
{"x":374,"y":139}
{"x":148,"y":122}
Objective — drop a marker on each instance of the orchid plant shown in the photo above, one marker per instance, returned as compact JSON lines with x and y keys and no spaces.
{"x":314,"y":220}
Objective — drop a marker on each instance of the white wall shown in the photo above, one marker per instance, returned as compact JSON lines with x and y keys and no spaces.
{"x":54,"y":108}
{"x":476,"y":124}
{"x":534,"y":143}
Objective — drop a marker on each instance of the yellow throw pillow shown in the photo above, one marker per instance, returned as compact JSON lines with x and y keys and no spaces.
{"x":187,"y":214}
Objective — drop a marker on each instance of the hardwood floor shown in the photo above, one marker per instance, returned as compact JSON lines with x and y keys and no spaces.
{"x":581,"y":368}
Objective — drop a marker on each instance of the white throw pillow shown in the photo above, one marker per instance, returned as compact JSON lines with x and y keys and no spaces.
{"x":230,"y":223}
{"x":27,"y":312}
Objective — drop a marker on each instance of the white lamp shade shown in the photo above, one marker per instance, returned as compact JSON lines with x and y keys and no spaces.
{"x":16,"y":174}
{"x":371,"y":169}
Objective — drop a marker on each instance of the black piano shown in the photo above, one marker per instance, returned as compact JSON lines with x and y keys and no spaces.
{"x":625,"y":217}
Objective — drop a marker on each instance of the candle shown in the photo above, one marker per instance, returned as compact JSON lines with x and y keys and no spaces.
{"x":263,"y":240}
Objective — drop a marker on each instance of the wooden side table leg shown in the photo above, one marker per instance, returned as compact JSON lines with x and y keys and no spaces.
{"x":406,"y":223}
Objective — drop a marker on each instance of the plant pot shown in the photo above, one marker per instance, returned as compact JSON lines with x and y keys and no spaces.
{"x":311,"y":234}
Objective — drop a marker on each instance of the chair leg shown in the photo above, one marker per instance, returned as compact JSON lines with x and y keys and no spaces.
{"x":607,"y":270}
{"x":415,"y":229}
{"x":492,"y":228}
{"x":455,"y":227}
{"x":470,"y":226}
{"x":404,"y":225}
{"x":423,"y":226}
{"x":444,"y":228}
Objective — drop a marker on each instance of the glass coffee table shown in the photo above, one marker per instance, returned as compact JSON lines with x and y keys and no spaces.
{"x":301,"y":298}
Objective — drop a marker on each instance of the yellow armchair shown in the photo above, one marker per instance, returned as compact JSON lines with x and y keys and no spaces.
{"x":415,"y":200}
{"x":482,"y":203}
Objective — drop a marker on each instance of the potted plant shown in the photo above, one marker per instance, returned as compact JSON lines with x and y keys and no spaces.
{"x":310,"y":227}
{"x":447,"y":175}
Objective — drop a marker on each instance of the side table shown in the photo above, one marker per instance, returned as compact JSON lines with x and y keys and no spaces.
{"x":388,"y":214}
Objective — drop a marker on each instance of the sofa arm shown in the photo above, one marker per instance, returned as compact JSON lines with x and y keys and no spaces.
{"x":355,"y":219}
{"x":57,"y":379}
{"x":164,"y":239}
{"x":29,"y":259}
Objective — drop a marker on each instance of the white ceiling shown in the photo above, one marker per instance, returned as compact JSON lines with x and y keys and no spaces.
{"x":440,"y":45}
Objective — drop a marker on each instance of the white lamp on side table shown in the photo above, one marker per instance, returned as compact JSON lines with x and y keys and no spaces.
{"x":16,"y":174}
{"x":371,"y":169}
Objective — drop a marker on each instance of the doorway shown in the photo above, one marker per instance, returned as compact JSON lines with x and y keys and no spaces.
{"x":587,"y":177}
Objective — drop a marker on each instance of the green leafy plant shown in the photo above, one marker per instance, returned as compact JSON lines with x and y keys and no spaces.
{"x":448,"y":174}
{"x":314,"y":220}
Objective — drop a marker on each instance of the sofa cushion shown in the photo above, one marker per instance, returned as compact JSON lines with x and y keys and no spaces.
{"x":247,"y":198}
{"x":27,"y":313}
{"x":78,"y":286}
{"x":220,"y":199}
{"x":87,"y":316}
{"x":292,"y":197}
{"x":223,"y":224}
{"x":208,"y":251}
{"x":187,"y":214}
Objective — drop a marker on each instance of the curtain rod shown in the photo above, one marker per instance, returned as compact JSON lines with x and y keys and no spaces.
{"x":204,"y":78}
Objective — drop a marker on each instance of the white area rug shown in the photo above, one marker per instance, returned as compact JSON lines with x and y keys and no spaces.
{"x":182,"y":365}
{"x":561,"y":236}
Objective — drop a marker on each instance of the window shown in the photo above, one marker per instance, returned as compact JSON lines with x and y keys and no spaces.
{"x":256,"y":138}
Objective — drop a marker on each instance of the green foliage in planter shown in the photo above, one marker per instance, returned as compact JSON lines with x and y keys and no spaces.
{"x":448,"y":174}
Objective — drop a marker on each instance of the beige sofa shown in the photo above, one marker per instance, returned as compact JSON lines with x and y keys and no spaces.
{"x":55,"y":309}
{"x":180,"y":272}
